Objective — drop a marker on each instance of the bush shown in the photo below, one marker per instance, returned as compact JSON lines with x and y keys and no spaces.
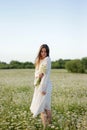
{"x":4,"y":65}
{"x":84,"y":62}
{"x":75,"y":66}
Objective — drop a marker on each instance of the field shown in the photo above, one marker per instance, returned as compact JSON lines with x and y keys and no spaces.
{"x":69,"y":100}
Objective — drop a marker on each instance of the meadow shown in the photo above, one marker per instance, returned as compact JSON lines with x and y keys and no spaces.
{"x":69,"y":100}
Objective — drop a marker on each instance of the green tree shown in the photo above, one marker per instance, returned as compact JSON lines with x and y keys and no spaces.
{"x":61,"y":63}
{"x":55,"y":65}
{"x":28,"y":65}
{"x":75,"y":66}
{"x":4,"y":65}
{"x":58,"y":64}
{"x":84,"y":62}
{"x":15,"y":64}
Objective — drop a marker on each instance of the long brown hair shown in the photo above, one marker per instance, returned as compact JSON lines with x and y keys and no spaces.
{"x":38,"y":58}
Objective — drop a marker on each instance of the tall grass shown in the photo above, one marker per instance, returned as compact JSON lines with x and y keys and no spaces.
{"x":69,"y":100}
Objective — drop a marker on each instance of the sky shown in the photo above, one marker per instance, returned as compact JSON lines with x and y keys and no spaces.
{"x":27,"y":24}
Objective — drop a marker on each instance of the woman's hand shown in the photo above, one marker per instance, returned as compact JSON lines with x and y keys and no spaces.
{"x":41,"y":75}
{"x":43,"y":92}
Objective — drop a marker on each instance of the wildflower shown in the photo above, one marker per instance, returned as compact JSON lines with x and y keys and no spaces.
{"x":42,"y":71}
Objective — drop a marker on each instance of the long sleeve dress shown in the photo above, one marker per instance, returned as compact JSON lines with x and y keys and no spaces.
{"x":41,"y":102}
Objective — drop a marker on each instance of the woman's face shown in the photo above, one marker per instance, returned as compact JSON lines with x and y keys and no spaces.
{"x":43,"y":53}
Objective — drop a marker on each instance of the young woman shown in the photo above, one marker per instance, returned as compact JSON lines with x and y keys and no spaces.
{"x":41,"y":102}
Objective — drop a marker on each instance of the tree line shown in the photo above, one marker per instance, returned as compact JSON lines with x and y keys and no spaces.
{"x":76,"y":65}
{"x":16,"y":65}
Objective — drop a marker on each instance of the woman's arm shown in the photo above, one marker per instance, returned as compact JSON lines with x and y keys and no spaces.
{"x":45,"y":77}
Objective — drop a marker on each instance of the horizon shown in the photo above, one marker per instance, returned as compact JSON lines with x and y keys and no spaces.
{"x":51,"y":60}
{"x":25,"y":25}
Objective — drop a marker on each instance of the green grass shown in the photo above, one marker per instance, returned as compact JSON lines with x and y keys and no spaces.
{"x":69,"y":100}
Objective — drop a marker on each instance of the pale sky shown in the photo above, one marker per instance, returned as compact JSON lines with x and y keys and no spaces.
{"x":26,"y":24}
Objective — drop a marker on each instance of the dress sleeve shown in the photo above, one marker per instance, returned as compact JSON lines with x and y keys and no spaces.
{"x":44,"y":80}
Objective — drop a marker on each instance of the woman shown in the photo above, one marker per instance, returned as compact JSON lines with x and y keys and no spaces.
{"x":41,"y":103}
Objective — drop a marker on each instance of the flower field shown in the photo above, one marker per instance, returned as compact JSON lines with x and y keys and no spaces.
{"x":69,"y":100}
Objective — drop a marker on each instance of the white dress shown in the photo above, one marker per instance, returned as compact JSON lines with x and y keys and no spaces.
{"x":41,"y":102}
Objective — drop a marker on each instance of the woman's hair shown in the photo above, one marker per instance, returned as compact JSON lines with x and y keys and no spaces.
{"x":38,"y":58}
